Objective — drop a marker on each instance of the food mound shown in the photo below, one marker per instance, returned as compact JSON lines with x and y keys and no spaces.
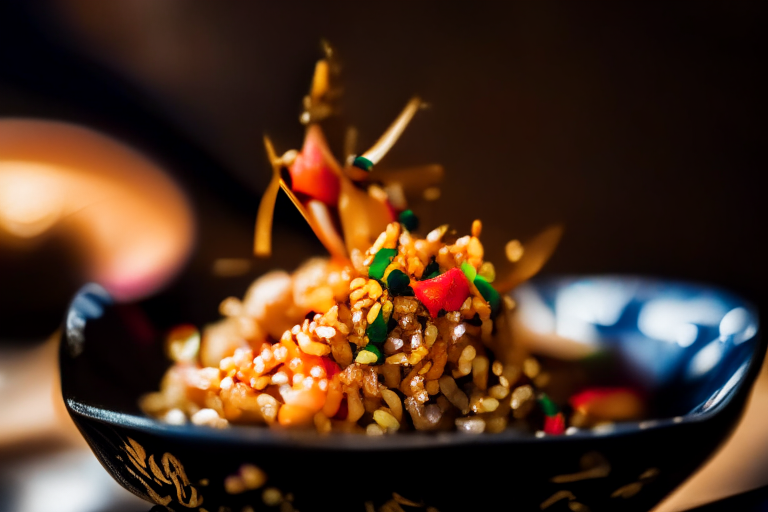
{"x":393,"y":332}
{"x":395,"y":340}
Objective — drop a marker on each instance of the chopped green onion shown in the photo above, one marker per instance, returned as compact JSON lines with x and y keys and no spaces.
{"x":397,"y":282}
{"x":548,"y":407}
{"x":380,"y":263}
{"x":362,"y":163}
{"x":489,"y":293}
{"x":377,"y":331}
{"x":409,"y":220}
{"x":469,"y":271}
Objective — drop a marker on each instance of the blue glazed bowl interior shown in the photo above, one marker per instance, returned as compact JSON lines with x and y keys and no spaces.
{"x":689,"y":347}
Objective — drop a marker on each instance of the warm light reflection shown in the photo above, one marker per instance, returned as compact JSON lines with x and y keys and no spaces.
{"x":30,"y":198}
{"x":132,"y":222}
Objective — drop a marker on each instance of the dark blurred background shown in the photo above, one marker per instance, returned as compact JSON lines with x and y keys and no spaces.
{"x":641,"y":127}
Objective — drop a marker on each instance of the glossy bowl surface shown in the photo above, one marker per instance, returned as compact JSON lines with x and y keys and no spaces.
{"x":694,"y":350}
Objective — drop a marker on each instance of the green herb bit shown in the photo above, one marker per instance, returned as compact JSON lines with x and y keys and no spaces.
{"x":469,"y":271}
{"x":409,"y":220}
{"x":548,"y":407}
{"x":370,"y":354}
{"x":397,"y":282}
{"x":362,"y":163}
{"x":431,"y":271}
{"x":489,"y":293}
{"x":380,"y":263}
{"x":377,"y":331}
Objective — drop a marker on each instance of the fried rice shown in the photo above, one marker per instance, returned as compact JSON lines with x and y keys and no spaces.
{"x":300,"y":350}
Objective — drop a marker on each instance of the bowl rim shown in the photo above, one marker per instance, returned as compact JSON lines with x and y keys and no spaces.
{"x":88,"y":304}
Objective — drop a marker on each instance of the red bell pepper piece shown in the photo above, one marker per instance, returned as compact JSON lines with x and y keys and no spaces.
{"x":447,"y":291}
{"x":331,"y":368}
{"x":554,"y":425}
{"x":613,"y":403}
{"x":343,"y":411}
{"x":312,"y":172}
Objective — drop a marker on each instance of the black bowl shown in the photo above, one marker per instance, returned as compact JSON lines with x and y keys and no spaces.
{"x":694,"y":351}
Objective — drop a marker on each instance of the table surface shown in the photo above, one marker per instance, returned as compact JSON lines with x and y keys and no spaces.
{"x":45,"y":465}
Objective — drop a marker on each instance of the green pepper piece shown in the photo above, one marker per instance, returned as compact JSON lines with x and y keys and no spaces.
{"x":548,"y":407}
{"x":469,"y":271}
{"x":362,"y":163}
{"x":409,"y":220}
{"x":431,"y":271}
{"x":397,"y":282}
{"x":377,"y":331}
{"x":380,"y":263}
{"x":489,"y":293}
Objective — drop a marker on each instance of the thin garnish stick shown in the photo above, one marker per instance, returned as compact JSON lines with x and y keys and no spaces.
{"x":262,"y":237}
{"x":319,"y":80}
{"x":536,"y":253}
{"x":325,"y":229}
{"x":262,"y":245}
{"x":330,"y":240}
{"x":295,"y":200}
{"x":350,"y":143}
{"x":274,"y":160}
{"x":395,"y":130}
